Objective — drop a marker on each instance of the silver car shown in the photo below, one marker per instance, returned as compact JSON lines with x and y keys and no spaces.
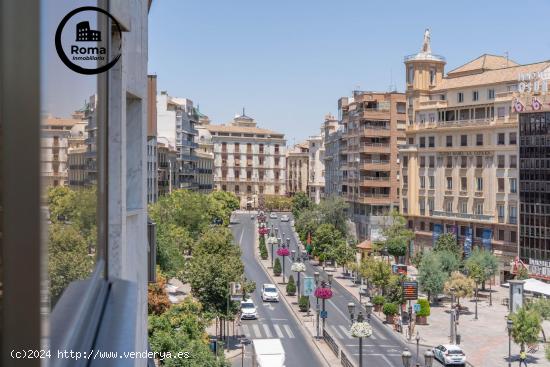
{"x":284,"y":218}
{"x":449,"y":355}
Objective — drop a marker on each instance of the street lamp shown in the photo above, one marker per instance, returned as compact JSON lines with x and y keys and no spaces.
{"x":351,"y":310}
{"x":330,"y":277}
{"x":368,"y":309}
{"x":509,"y":325}
{"x":406,"y":356}
{"x":316,"y":278}
{"x":452,"y":315}
{"x":324,"y":285}
{"x":417,"y":348}
{"x":293,"y":256}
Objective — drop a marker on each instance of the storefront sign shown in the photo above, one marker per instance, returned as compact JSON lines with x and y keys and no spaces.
{"x":410,"y":290}
{"x":539,"y":268}
{"x":467,"y":153}
{"x":533,"y":83}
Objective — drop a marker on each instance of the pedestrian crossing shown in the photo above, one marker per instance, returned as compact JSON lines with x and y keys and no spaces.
{"x":343,"y":332}
{"x":266,"y":331}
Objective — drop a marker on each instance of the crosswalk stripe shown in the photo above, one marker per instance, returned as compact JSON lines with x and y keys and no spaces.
{"x":278,"y":331}
{"x":345,"y":331}
{"x":336,"y":332}
{"x":256,"y":329}
{"x":246,"y":330}
{"x":267,"y":331}
{"x":288,"y":331}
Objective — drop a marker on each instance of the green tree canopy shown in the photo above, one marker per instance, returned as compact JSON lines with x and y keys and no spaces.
{"x":447,"y":242}
{"x":431,"y":276}
{"x":326,"y":239}
{"x":376,"y":271}
{"x":334,"y":210}
{"x":300,"y":203}
{"x":481,"y":265}
{"x":398,"y":236}
{"x":526,"y":327}
{"x":459,"y":285}
{"x":449,"y":261}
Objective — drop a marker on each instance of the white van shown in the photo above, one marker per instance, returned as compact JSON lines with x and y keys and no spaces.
{"x":267,"y":353}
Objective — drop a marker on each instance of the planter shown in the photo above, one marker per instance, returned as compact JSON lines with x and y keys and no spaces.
{"x":390,"y":319}
{"x":422,"y":320}
{"x":377,"y":308}
{"x":290,"y":293}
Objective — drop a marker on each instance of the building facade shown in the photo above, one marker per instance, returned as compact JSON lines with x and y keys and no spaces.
{"x":176,"y":119}
{"x":167,"y":162}
{"x":373,"y":128}
{"x":333,"y":174}
{"x":248,"y":161}
{"x":460,"y":166}
{"x":152,"y":154}
{"x":297,"y":168}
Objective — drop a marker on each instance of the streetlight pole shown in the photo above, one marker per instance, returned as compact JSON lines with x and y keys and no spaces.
{"x":351,"y":309}
{"x":417,"y":348}
{"x":451,"y":314}
{"x":509,"y":325}
{"x":316,"y":277}
{"x":475,"y":318}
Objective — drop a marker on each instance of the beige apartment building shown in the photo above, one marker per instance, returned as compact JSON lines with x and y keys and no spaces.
{"x":460,"y":167}
{"x":373,"y":128}
{"x":297,"y":165}
{"x":167,"y":159}
{"x":248,"y":160}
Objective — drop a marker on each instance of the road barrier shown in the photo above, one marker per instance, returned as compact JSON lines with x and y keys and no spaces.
{"x":330,"y":342}
{"x":345,"y":361}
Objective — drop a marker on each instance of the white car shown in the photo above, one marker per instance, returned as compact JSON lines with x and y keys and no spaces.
{"x":270,"y":293}
{"x":449,"y":354}
{"x":284,"y":218}
{"x":248,"y":310}
{"x":273,"y":216}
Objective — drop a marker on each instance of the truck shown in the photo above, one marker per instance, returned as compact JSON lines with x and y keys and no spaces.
{"x":268,"y":353}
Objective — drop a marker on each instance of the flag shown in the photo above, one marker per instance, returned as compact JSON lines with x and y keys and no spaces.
{"x":308,"y":238}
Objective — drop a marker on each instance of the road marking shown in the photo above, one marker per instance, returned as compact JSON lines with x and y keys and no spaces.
{"x":267,"y":331}
{"x":374,"y":345}
{"x":338,"y":309}
{"x":335,"y":331}
{"x":278,"y":331}
{"x":241,"y":239}
{"x":246,"y":330}
{"x":345,"y":331}
{"x":289,"y":331}
{"x":256,"y":329}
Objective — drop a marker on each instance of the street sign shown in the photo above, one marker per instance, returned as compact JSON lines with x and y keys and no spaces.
{"x":309,"y":286}
{"x":416,"y":307}
{"x":410,"y":290}
{"x":236,"y":297}
{"x":324,"y":314}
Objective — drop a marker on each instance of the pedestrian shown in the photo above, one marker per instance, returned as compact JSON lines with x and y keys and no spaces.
{"x":522,"y":358}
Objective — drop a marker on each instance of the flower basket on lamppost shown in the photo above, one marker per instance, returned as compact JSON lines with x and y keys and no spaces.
{"x":298,"y":267}
{"x":359,"y":329}
{"x":324,"y":293}
{"x":263,"y":231}
{"x":283,"y":252}
{"x":272,"y":241}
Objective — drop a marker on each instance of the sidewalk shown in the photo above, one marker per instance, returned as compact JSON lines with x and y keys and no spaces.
{"x":485,"y":341}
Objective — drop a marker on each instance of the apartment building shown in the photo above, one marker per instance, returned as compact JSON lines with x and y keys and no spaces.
{"x":297,"y":168}
{"x":373,"y":128}
{"x":248,"y":160}
{"x":460,"y":167}
{"x":152,"y":153}
{"x":176,"y":120}
{"x":333,"y":174}
{"x":167,"y":162}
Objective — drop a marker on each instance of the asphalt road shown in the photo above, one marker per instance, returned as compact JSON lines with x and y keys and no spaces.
{"x":382,"y":349}
{"x":274,"y":319}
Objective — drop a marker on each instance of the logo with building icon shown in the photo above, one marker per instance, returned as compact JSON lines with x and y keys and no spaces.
{"x":85,"y":34}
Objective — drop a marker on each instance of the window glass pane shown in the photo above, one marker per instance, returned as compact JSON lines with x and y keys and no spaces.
{"x":69,"y":138}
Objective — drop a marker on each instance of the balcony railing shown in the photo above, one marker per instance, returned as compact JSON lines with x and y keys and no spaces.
{"x":461,"y":123}
{"x":439,"y":213}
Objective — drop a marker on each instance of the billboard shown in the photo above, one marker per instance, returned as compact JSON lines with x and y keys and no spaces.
{"x":468,"y":238}
{"x":309,"y":286}
{"x":410,"y":290}
{"x":486,"y":238}
{"x":438,"y":230}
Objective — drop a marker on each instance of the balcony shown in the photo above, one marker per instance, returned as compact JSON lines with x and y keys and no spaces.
{"x":436,"y":103}
{"x":463,"y":123}
{"x":188,"y":144}
{"x":513,"y":220}
{"x":482,"y":217}
{"x":374,"y":147}
{"x":374,"y":164}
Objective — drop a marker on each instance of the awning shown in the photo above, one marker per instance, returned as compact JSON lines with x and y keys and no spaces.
{"x":534,"y":286}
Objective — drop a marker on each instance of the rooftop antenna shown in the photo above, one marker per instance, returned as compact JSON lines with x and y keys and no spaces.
{"x":243,"y":112}
{"x":506,"y":53}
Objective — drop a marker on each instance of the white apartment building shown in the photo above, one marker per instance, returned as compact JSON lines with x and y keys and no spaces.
{"x":248,"y":160}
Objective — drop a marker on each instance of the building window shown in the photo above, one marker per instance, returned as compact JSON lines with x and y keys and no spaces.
{"x":475,"y":95}
{"x":460,"y":97}
{"x":479,"y":139}
{"x":512,"y":139}
{"x":422,"y":162}
{"x":513,"y":210}
{"x":479,"y":208}
{"x":501,"y":235}
{"x":431,"y":207}
{"x":501,"y":112}
{"x":490,"y":94}
{"x":463,"y":184}
{"x":422,"y":226}
{"x":464,"y":207}
{"x":431,"y":226}
{"x":479,"y":161}
{"x":500,"y":182}
{"x":237,"y":189}
{"x":513,"y":236}
{"x":431,"y":142}
{"x":463,"y":140}
{"x":449,"y":162}
{"x":449,"y":140}
{"x":513,"y":185}
{"x":405,"y":180}
{"x":463,"y":161}
{"x":422,"y":182}
{"x":432,"y":76}
{"x":410,"y":76}
{"x":431,"y":182}
{"x":513,"y":161}
{"x":405,"y":161}
{"x":422,"y":142}
{"x":479,"y":183}
{"x":449,"y":183}
{"x":500,"y":140}
{"x":450,"y":206}
{"x":432,"y":161}
{"x":500,"y":161}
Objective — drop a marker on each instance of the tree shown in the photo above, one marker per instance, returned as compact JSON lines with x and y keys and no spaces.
{"x":217,"y":241}
{"x":291,"y":286}
{"x":447,"y":242}
{"x":431,"y":276}
{"x":69,"y":258}
{"x":158,"y":301}
{"x":334,"y":210}
{"x":526,"y":327}
{"x":449,"y":261}
{"x":398,"y":236}
{"x":172,"y":243}
{"x":307,"y":222}
{"x":344,"y":254}
{"x":542,"y":307}
{"x":376,"y":271}
{"x":416,"y":259}
{"x":221,"y":205}
{"x":462,"y":286}
{"x":277,"y":269}
{"x":325,"y":240}
{"x":481,"y":266}
{"x":523,"y":273}
{"x":394,"y":289}
{"x":300,"y":203}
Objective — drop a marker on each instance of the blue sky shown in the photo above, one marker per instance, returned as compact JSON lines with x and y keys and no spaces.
{"x":288,"y":62}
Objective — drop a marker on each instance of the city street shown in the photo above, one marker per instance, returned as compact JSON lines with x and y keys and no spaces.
{"x":383,"y":348}
{"x":274,"y":319}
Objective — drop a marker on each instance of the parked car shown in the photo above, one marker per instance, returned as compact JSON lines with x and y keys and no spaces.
{"x":270,"y":293}
{"x":248,"y":310}
{"x":449,"y":355}
{"x":285,"y":218}
{"x":273,"y":216}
